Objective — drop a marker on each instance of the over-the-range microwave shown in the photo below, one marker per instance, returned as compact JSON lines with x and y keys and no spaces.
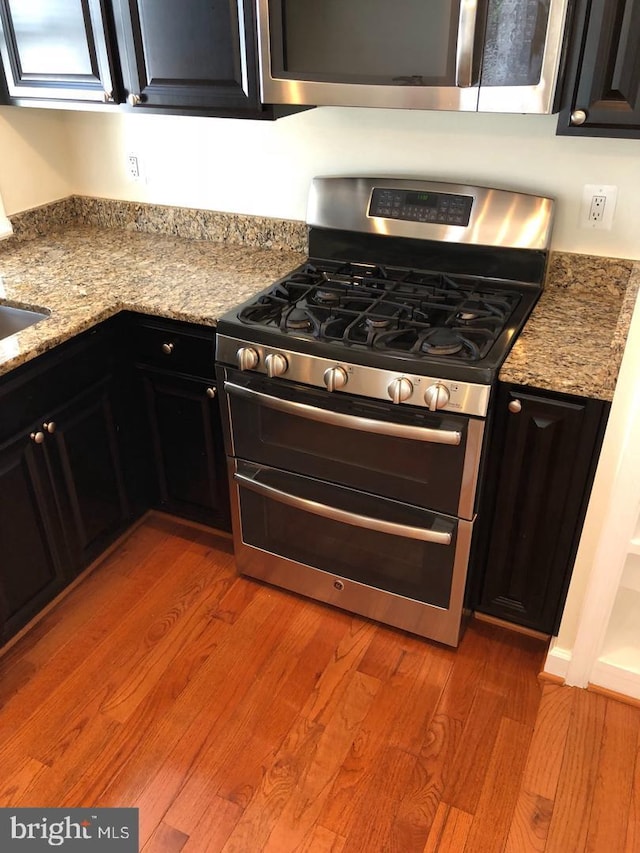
{"x":485,"y":55}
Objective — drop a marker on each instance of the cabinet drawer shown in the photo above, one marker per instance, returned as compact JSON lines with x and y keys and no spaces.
{"x":167,"y":348}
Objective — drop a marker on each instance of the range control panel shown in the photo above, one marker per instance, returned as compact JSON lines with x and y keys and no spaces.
{"x":417,"y":206}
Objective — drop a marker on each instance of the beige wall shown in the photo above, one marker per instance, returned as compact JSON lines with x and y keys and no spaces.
{"x":35,"y":161}
{"x":265,"y":167}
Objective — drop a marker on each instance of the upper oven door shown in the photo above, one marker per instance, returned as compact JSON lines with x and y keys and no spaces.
{"x":422,"y":458}
{"x":412,"y":54}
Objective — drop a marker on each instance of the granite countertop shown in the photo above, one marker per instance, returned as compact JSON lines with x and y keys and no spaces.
{"x":574,"y":339}
{"x":85,"y":273}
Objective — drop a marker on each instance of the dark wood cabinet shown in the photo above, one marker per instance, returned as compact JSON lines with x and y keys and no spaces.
{"x":541,"y":461}
{"x":120,"y":419}
{"x":63,"y":494}
{"x":32,"y":554}
{"x":188,"y":56}
{"x":57,"y":50}
{"x":88,"y":474}
{"x":183,"y":432}
{"x":186,"y":434}
{"x":194,"y":57}
{"x":601,"y":91}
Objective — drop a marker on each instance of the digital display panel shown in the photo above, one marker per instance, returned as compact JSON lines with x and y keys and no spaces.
{"x":422,"y":199}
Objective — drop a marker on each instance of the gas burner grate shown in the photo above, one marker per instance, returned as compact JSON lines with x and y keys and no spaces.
{"x":415,"y":312}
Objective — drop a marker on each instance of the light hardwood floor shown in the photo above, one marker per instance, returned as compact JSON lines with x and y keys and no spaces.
{"x":237,"y":717}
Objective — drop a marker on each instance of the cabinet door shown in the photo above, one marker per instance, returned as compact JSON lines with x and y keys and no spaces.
{"x":88,"y":472}
{"x":186,"y":434}
{"x":190,"y":55}
{"x":541,"y":461}
{"x":56,"y":49}
{"x":31,"y":555}
{"x":602,"y":86}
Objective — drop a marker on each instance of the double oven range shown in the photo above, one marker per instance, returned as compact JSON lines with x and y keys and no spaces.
{"x":356,"y":389}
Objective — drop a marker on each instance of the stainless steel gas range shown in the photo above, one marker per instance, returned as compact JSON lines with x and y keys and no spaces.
{"x":355,"y":393}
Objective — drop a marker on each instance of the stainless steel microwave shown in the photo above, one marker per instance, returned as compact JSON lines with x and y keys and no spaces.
{"x":484,"y":55}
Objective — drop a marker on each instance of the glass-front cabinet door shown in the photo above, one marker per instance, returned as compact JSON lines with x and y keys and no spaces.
{"x":56,"y":49}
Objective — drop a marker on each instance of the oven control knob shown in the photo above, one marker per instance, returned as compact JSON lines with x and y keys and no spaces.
{"x":400,"y":389}
{"x":276,"y":364}
{"x":335,"y":377}
{"x":436,"y":396}
{"x":248,"y":358}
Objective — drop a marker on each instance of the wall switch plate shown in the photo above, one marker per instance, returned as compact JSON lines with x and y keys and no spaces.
{"x":598,"y":206}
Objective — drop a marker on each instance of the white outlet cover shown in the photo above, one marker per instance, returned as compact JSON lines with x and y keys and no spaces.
{"x":588,"y":191}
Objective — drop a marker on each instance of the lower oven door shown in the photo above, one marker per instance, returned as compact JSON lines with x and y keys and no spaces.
{"x":390,"y":561}
{"x":428,"y":459}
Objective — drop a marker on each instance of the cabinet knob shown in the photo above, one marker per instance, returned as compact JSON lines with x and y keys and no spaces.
{"x":37,"y":437}
{"x":168,"y":348}
{"x":108,"y":96}
{"x":211,"y":393}
{"x":578,"y":117}
{"x":133,"y":100}
{"x":515,"y":406}
{"x":49,"y":426}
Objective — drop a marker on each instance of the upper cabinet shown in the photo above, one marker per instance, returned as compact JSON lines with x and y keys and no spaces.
{"x":601,"y":93}
{"x":194,"y":57}
{"x":189,"y":55}
{"x":57,"y":49}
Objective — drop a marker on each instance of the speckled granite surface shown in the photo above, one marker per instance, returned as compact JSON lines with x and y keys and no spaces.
{"x":86,"y":259}
{"x":574,"y":340}
{"x":188,"y":223}
{"x":83,"y":275}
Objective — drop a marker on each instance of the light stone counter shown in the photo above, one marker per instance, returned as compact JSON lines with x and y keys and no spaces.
{"x":574,"y":340}
{"x":196,"y":265}
{"x":83,"y":274}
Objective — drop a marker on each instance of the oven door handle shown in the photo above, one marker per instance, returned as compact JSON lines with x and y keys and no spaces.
{"x":416,"y":433}
{"x":435,"y":536}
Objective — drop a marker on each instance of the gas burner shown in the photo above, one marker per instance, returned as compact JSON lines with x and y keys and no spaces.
{"x":377,"y":323}
{"x":298,"y":319}
{"x":327,"y":295}
{"x":441,"y":341}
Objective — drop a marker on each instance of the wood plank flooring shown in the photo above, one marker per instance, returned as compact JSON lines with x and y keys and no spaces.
{"x":241,"y":718}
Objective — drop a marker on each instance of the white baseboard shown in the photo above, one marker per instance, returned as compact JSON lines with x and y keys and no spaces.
{"x":615,"y":678}
{"x":557,"y":662}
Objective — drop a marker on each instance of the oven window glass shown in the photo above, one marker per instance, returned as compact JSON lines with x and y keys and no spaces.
{"x":397,"y":42}
{"x":423,"y":473}
{"x":419,"y":570}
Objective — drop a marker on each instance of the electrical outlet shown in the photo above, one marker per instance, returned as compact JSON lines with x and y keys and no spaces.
{"x":134,"y":167}
{"x":598,"y":206}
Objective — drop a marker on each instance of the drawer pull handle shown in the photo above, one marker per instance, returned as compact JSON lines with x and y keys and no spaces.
{"x":168,"y":349}
{"x":515,"y":406}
